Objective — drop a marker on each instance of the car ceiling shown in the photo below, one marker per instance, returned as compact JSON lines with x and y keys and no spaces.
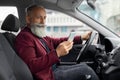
{"x":49,"y":4}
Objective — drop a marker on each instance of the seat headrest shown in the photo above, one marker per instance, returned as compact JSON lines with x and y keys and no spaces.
{"x":11,"y":23}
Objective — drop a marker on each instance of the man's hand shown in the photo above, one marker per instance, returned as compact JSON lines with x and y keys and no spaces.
{"x":86,"y":35}
{"x":64,"y":48}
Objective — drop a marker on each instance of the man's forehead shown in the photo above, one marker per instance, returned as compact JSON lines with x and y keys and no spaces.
{"x":39,"y":9}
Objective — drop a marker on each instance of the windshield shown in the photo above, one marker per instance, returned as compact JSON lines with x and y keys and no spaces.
{"x":106,"y":12}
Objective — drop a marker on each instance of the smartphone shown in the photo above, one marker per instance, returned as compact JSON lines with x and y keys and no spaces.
{"x":71,"y":36}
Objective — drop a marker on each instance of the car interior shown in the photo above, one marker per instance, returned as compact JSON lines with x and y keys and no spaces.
{"x":103,"y":57}
{"x":10,"y":62}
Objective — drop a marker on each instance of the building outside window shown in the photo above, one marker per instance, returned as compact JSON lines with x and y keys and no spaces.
{"x":48,"y":29}
{"x":63,"y":29}
{"x":56,"y":29}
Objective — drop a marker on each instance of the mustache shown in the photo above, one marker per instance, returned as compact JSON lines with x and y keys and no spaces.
{"x":38,"y":30}
{"x":38,"y":25}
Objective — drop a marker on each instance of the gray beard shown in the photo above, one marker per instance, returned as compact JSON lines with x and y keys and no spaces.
{"x":38,"y":30}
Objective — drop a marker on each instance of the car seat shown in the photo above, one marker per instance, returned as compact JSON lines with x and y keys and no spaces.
{"x":10,"y":24}
{"x":12,"y":67}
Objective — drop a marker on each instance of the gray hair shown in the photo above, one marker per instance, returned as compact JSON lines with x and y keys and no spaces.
{"x":31,"y":8}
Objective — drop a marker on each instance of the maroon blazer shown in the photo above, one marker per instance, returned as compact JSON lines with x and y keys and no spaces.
{"x":34,"y":54}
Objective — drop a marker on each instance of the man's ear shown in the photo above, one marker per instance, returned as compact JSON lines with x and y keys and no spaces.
{"x":28,"y":19}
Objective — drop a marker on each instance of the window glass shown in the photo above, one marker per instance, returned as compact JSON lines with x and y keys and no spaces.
{"x":56,"y":29}
{"x":60,"y":25}
{"x":48,"y":28}
{"x":106,"y":12}
{"x":64,"y":29}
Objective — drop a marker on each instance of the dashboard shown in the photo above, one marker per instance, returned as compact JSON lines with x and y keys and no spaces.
{"x":110,"y":43}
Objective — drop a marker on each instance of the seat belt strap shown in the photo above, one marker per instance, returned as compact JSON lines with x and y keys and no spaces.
{"x":48,"y":50}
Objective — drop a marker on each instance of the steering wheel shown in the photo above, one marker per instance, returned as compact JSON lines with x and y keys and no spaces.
{"x":86,"y":46}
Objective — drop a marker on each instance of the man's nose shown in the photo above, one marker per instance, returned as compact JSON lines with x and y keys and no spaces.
{"x":43,"y":21}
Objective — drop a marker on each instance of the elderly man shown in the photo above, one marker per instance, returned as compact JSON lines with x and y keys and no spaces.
{"x":41,"y":53}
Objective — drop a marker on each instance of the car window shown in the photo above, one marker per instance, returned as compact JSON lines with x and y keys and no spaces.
{"x":4,"y":11}
{"x":60,"y":25}
{"x":106,"y":12}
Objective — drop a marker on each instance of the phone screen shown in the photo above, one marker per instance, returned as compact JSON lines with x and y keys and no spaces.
{"x":71,"y":36}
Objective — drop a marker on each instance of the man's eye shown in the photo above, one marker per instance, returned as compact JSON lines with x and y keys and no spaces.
{"x":45,"y":17}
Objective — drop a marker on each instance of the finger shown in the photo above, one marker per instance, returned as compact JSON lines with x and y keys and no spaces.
{"x":90,"y":33}
{"x":65,"y":42}
{"x":69,"y":43}
{"x":69,"y":47}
